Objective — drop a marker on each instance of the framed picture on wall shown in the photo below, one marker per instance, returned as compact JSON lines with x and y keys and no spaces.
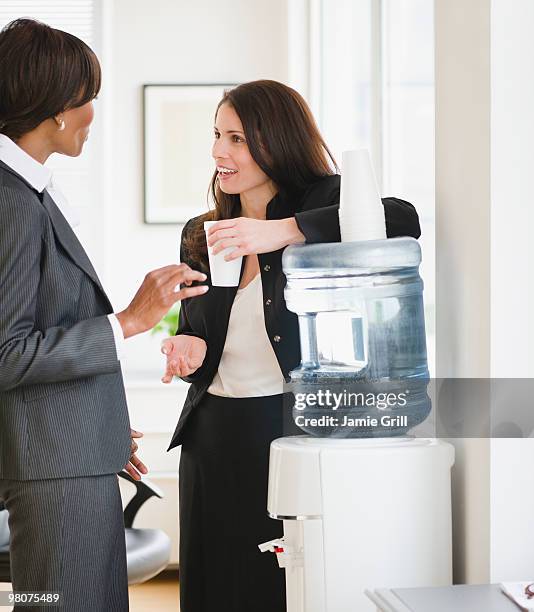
{"x":178,"y":136}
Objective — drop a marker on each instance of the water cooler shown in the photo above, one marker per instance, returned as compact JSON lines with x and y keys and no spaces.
{"x":364,"y":503}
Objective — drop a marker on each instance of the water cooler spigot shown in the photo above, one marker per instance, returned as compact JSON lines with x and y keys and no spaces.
{"x":286,"y":555}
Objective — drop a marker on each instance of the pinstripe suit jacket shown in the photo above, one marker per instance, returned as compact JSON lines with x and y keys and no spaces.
{"x":62,"y":403}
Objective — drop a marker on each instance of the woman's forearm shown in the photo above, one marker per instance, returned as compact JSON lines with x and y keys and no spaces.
{"x":290,"y":231}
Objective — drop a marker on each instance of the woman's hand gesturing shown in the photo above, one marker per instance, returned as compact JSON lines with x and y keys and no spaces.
{"x":252,"y":236}
{"x":185,"y":354}
{"x":135,"y":467}
{"x":159,"y":291}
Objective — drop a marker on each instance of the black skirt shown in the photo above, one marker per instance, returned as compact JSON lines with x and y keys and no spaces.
{"x":223,"y":474}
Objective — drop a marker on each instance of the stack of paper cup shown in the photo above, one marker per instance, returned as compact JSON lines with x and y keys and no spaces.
{"x":361,"y":213}
{"x":223,"y":273}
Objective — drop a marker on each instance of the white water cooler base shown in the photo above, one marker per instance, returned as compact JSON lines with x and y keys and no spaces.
{"x":360,"y":514}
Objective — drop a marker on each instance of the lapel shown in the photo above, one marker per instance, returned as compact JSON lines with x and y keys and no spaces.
{"x":63,"y":231}
{"x":68,"y":239}
{"x":22,"y":179}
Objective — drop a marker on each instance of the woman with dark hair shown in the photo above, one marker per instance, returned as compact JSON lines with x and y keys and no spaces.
{"x":274,"y":185}
{"x":64,"y":426}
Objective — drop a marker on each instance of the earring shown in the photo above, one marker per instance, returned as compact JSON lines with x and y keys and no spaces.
{"x":60,"y":123}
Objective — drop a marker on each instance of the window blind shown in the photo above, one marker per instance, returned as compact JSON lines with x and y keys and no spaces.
{"x":76,"y":177}
{"x":74,"y":16}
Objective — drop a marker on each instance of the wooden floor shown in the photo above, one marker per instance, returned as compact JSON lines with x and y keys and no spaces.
{"x":160,"y":594}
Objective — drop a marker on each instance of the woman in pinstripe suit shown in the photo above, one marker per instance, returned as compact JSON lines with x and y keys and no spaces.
{"x":64,"y":426}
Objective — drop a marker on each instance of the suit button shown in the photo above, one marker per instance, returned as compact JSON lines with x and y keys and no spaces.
{"x":277,"y":338}
{"x":268,"y":302}
{"x":267,"y":268}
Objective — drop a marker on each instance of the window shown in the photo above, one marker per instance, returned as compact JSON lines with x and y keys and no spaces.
{"x":75,"y":177}
{"x":74,"y":17}
{"x":407,"y":91}
{"x":370,"y":82}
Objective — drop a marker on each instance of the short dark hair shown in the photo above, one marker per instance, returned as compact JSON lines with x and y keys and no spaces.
{"x":43,"y":72}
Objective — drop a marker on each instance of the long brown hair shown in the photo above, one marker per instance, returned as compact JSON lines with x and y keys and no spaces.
{"x":284,"y":141}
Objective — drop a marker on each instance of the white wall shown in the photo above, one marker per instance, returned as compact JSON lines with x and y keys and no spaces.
{"x":484,"y":161}
{"x":463,"y":187}
{"x":512,"y":263}
{"x":463,"y":310}
{"x":512,"y":163}
{"x":162,"y":41}
{"x":169,"y":41}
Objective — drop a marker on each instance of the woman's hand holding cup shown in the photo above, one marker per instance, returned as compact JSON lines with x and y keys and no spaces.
{"x":185,"y":354}
{"x":251,"y":236}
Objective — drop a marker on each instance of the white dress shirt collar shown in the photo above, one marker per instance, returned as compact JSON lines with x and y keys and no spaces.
{"x":37,"y":175}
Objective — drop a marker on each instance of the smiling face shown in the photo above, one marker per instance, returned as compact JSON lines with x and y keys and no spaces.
{"x":238,"y":173}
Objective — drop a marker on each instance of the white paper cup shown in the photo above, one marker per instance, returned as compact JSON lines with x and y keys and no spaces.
{"x":361,"y":213}
{"x":223,"y":273}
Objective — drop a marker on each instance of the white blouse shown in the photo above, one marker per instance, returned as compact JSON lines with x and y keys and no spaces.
{"x":248,"y":366}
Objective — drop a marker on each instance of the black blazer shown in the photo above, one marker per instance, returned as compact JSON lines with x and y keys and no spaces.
{"x":207,"y":316}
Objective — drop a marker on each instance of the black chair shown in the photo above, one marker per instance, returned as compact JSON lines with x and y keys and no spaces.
{"x":148,"y":550}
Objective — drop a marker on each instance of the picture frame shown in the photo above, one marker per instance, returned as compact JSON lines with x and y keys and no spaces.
{"x":178,"y":124}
